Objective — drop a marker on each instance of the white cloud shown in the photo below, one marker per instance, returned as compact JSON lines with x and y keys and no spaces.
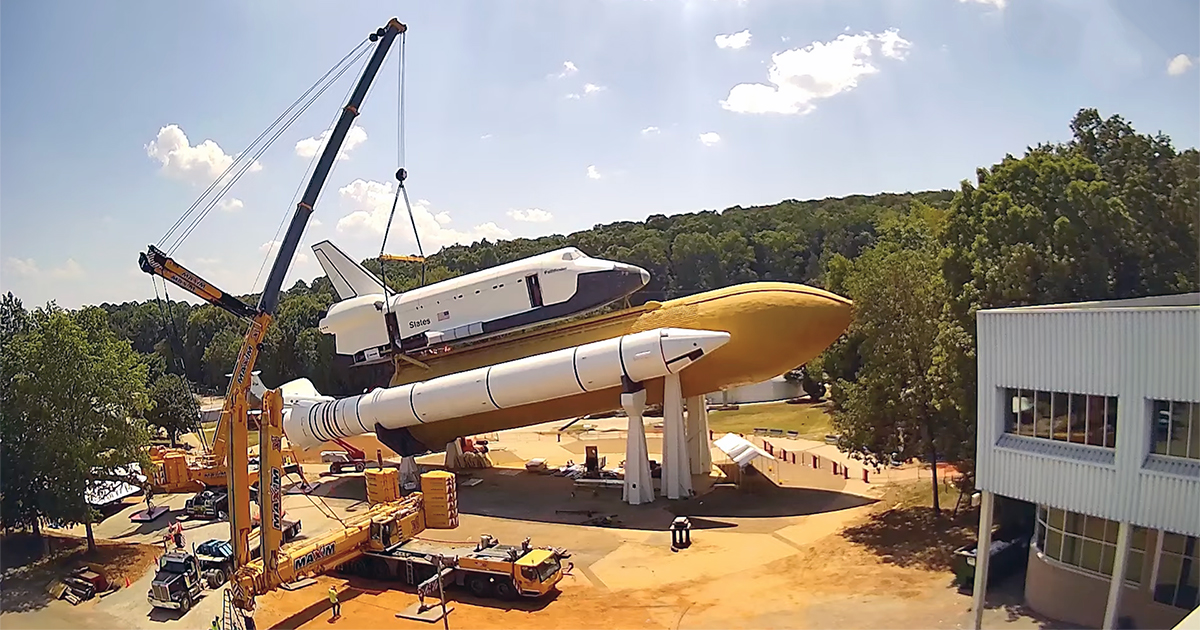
{"x":530,"y":215}
{"x":28,"y":268}
{"x":270,"y":248}
{"x":737,"y":40}
{"x":651,"y":131}
{"x":372,"y":202}
{"x":593,"y":173}
{"x":588,"y":88}
{"x":208,"y":261}
{"x":568,"y":70}
{"x":1178,"y":65}
{"x":485,"y":136}
{"x":801,"y":76}
{"x":200,"y":164}
{"x":232,"y":204}
{"x":69,"y":269}
{"x":315,"y":222}
{"x":308,"y":147}
{"x":999,"y":4}
{"x":710,"y":138}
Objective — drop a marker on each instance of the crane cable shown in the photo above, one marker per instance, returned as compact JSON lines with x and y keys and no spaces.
{"x":287,"y":210}
{"x":243,"y":164}
{"x":169,"y":326}
{"x":401,"y":175}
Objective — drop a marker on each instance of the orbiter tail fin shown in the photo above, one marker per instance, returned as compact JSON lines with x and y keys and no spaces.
{"x":349,"y":278}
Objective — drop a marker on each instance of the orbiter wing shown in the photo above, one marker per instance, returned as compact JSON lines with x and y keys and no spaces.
{"x":349,"y":278}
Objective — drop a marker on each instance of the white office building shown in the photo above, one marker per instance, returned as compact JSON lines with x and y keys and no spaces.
{"x":1091,"y":412}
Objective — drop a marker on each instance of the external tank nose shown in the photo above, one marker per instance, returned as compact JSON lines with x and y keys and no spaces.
{"x":773,"y":326}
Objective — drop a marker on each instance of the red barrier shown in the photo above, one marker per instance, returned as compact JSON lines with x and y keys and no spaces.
{"x":835,"y":468}
{"x":793,"y":458}
{"x":865,"y":480}
{"x":710,"y":435}
{"x":816,"y":463}
{"x":845,"y":472}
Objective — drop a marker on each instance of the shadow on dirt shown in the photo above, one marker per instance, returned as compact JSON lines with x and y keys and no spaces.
{"x":914,"y":537}
{"x":25,"y":586}
{"x":767,"y":502}
{"x":360,"y":586}
{"x":517,"y":495}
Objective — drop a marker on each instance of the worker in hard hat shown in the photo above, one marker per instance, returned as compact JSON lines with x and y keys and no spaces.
{"x":337,"y":606}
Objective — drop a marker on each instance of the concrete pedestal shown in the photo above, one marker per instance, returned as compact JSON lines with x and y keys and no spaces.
{"x":699,"y":450}
{"x":676,"y":471}
{"x":639,"y":487}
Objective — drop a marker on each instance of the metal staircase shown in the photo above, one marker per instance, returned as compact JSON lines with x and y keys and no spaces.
{"x":231,"y":616}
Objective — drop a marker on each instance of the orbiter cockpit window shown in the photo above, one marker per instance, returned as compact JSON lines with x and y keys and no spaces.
{"x":572,"y":254}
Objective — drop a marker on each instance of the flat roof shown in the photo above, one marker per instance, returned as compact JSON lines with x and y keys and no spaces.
{"x":1177,"y":300}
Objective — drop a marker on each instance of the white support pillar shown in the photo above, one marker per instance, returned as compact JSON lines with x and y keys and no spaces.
{"x":699,"y":449}
{"x":409,"y":473}
{"x":677,"y":471}
{"x":1113,"y":608}
{"x":453,"y":455}
{"x":639,"y":486}
{"x":982,"y":556}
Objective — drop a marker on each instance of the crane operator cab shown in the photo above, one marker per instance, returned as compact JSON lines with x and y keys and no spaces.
{"x":537,"y":571}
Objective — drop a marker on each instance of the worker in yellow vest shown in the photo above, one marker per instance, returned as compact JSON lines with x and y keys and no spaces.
{"x":337,"y":606}
{"x":215,"y":624}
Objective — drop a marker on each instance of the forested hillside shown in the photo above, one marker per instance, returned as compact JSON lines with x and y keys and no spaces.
{"x":685,"y":254}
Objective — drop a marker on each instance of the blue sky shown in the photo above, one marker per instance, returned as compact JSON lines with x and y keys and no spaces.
{"x":109,"y":113}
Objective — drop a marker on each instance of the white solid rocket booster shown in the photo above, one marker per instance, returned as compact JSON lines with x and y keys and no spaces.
{"x":595,"y":366}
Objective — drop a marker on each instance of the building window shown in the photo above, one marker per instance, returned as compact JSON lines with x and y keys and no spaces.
{"x":1077,"y":418}
{"x":1178,"y":576}
{"x":1087,"y":542}
{"x":1176,"y":427}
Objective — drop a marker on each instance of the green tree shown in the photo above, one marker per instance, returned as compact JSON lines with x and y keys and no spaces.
{"x":889,"y":407}
{"x":80,"y":391}
{"x":20,"y":451}
{"x":174,"y":409}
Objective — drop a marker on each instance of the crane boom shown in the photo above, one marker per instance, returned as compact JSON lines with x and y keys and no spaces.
{"x":291,"y":240}
{"x":153,"y":261}
{"x":233,"y":423}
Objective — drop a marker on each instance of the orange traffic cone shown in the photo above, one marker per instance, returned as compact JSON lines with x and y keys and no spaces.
{"x":126,"y":581}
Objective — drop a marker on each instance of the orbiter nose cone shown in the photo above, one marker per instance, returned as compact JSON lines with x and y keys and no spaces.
{"x":683,"y":346}
{"x":645,"y":277}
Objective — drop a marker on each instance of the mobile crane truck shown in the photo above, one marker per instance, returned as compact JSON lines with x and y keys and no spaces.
{"x":381,"y":540}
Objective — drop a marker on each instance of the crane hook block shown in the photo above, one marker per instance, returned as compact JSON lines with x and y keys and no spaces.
{"x":401,"y":175}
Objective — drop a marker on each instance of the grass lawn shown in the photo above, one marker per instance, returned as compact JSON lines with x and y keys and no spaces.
{"x":812,"y":421}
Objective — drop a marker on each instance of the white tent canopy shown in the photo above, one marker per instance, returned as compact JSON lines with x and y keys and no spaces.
{"x":739,"y":449}
{"x":105,"y":492}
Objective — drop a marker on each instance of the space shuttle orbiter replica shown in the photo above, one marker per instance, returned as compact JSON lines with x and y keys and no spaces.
{"x":509,"y":297}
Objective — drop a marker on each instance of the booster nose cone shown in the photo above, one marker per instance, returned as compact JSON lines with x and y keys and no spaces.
{"x":682,"y":347}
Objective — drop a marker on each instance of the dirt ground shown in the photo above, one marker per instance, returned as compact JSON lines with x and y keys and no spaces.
{"x":26,"y":578}
{"x":763,"y":556}
{"x":808,"y":561}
